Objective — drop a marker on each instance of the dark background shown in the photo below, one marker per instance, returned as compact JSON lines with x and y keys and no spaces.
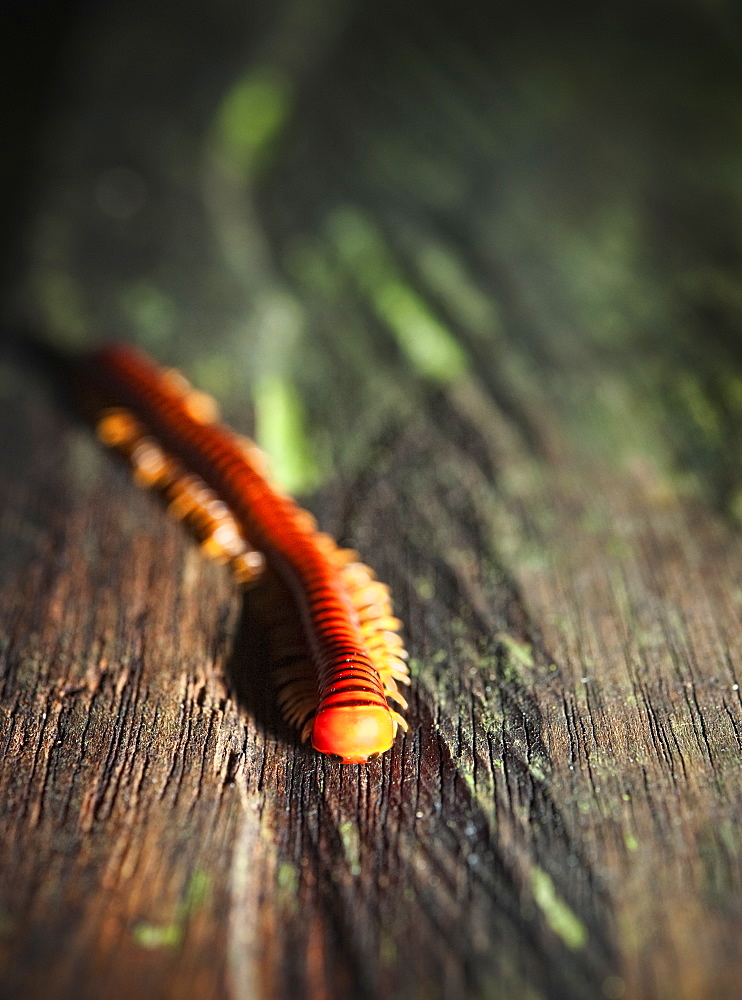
{"x":584,"y":162}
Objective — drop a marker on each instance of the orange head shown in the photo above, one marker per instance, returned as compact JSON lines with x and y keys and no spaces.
{"x":355,"y":733}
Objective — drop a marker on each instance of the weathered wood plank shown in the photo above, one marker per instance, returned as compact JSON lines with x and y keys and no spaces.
{"x":482,"y":286}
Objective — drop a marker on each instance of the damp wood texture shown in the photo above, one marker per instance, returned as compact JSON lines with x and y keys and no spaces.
{"x":475,"y":290}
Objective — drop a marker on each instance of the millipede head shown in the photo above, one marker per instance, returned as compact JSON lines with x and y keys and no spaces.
{"x":356,"y":734}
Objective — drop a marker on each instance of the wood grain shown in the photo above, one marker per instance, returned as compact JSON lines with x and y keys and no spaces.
{"x":555,"y":504}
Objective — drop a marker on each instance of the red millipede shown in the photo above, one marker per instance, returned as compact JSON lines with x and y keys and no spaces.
{"x":335,"y":689}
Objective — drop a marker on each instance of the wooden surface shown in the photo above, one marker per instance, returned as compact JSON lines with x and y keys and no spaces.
{"x":477,"y":287}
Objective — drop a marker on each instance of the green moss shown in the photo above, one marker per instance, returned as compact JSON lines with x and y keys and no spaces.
{"x":415,"y":666}
{"x":424,"y":588}
{"x":153,"y":936}
{"x":351,"y":842}
{"x":517,"y":654}
{"x":280,"y":431}
{"x":536,"y":772}
{"x":252,"y":115}
{"x":387,"y":948}
{"x":287,"y":879}
{"x":560,"y":918}
{"x":446,"y":275}
{"x":428,"y":345}
{"x":169,"y":935}
{"x":197,"y":892}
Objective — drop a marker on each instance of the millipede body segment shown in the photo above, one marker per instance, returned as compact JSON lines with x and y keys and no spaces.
{"x":338,"y":671}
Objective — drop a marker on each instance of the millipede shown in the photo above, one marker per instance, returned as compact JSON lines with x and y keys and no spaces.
{"x":340,"y":660}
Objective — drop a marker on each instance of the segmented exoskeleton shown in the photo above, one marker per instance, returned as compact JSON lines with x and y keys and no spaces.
{"x":337,"y":687}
